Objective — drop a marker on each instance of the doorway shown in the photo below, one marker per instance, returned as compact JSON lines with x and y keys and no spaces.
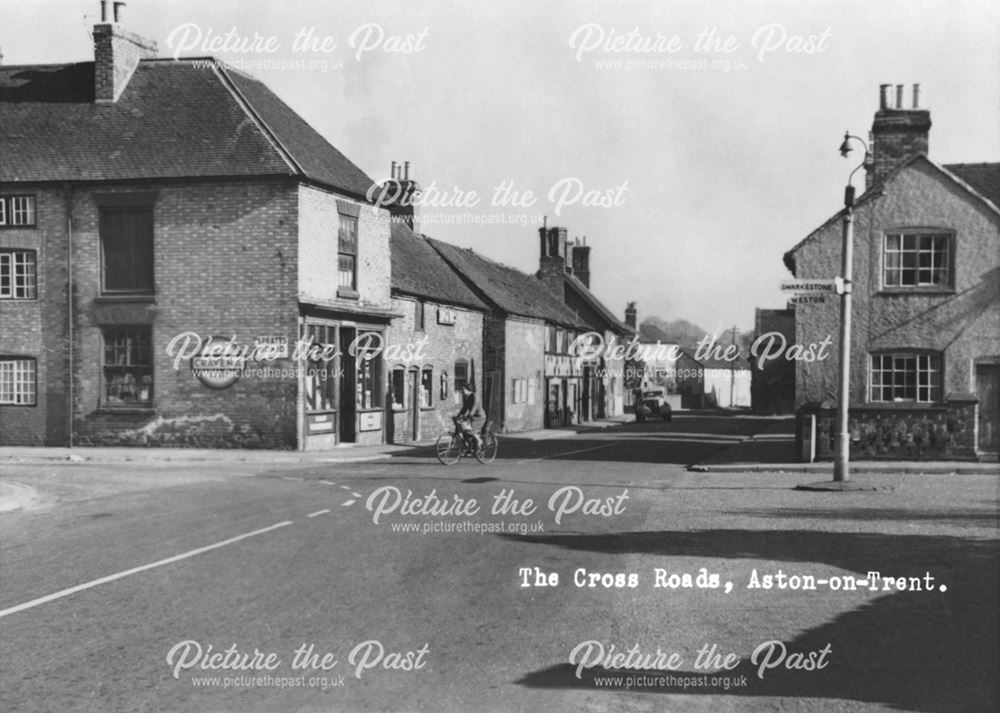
{"x":348,"y":387}
{"x":988,"y":418}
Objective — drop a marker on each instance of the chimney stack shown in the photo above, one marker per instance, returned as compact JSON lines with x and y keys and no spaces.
{"x":553,"y":261}
{"x":580,"y":259}
{"x":400,"y":195}
{"x":898,"y":134}
{"x":117,"y":53}
{"x":630,"y":315}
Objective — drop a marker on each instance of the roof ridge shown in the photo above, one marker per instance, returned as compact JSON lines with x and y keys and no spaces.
{"x":221,"y":71}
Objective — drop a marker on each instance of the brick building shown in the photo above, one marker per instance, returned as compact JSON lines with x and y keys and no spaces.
{"x":435,"y":346}
{"x":530,"y":379}
{"x":564,"y":269}
{"x":171,"y":235}
{"x":925,"y":337}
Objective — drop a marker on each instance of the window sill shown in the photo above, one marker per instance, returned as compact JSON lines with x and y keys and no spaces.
{"x":134,"y":410}
{"x":126,"y":297}
{"x":929,"y":291}
{"x":348,"y":293}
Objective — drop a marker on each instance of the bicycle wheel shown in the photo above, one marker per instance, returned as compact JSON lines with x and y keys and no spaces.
{"x":488,"y":451}
{"x":449,"y":448}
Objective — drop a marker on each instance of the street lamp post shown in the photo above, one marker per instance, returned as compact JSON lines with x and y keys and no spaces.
{"x":841,"y":469}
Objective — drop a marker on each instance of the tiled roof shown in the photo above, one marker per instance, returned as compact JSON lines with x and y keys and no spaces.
{"x":612,"y":322}
{"x":510,"y":290}
{"x":175,"y":119}
{"x":983,"y":177}
{"x":418,"y":270}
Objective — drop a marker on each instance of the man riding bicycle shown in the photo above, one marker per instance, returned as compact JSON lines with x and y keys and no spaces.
{"x":469,"y":412}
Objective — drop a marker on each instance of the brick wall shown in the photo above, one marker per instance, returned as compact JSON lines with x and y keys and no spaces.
{"x":899,"y":432}
{"x":962,"y":324}
{"x":37,"y":328}
{"x":319,"y":219}
{"x":225,"y":265}
{"x":439,"y":345}
{"x":524,"y":357}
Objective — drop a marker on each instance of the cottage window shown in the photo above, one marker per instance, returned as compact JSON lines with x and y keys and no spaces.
{"x":426,"y":387}
{"x":905,"y":377}
{"x":347,"y":252}
{"x":127,"y":251}
{"x":17,"y":211}
{"x":418,"y":315}
{"x":17,"y":275}
{"x":128,"y":366}
{"x":398,"y":389}
{"x":916,"y":260}
{"x":461,"y":373}
{"x":17,"y":382}
{"x":444,"y":385}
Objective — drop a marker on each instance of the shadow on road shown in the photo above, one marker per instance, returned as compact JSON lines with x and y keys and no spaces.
{"x":916,"y":651}
{"x":684,"y":441}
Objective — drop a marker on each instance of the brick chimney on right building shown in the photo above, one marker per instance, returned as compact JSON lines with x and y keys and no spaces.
{"x":898,"y":133}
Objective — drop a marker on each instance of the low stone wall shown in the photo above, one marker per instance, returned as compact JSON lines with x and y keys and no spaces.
{"x":893,"y":431}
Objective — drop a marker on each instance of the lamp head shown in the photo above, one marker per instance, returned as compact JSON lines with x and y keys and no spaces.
{"x":845,"y":148}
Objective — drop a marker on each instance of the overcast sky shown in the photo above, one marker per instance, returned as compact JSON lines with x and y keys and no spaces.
{"x":711,"y":174}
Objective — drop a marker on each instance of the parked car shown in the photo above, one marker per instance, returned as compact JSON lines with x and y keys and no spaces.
{"x":652,"y":402}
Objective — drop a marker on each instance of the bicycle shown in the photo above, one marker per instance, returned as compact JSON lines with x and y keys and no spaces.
{"x":452,"y":446}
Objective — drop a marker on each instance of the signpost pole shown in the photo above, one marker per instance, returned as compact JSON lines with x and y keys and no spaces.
{"x":841,"y":469}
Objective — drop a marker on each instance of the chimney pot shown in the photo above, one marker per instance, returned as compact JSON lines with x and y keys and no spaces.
{"x":392,"y":170}
{"x":899,"y":96}
{"x":406,"y":172}
{"x":119,"y":8}
{"x":884,"y":90}
{"x":916,"y":96}
{"x":104,"y":10}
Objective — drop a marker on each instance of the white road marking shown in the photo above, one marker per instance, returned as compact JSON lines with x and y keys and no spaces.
{"x":327,"y":482}
{"x":319,"y":512}
{"x":567,"y":453}
{"x":136,"y":570}
{"x":286,"y":477}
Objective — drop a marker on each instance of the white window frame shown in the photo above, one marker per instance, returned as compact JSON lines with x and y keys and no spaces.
{"x":22,"y":205}
{"x":917,"y":236}
{"x":17,"y":281}
{"x":18,"y":381}
{"x":926,"y":381}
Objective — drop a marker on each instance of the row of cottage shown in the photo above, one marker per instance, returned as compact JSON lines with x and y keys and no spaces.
{"x":185,"y":261}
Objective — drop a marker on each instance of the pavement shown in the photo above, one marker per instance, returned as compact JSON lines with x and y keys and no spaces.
{"x":770,"y":450}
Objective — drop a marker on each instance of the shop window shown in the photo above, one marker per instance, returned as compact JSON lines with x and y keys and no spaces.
{"x":18,"y":275}
{"x":321,"y":367}
{"x":17,"y":382}
{"x":128,"y":366}
{"x":369,"y":379}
